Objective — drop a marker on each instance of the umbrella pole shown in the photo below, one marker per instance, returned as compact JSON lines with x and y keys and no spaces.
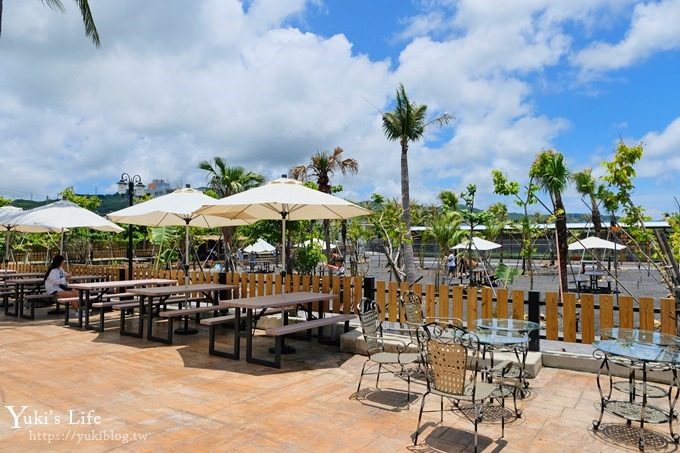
{"x":285,"y":349}
{"x":186,"y":330}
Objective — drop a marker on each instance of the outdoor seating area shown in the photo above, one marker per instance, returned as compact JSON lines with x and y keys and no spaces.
{"x":316,"y":389}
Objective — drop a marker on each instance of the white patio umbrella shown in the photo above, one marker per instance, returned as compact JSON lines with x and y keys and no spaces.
{"x":315,"y":241}
{"x":283,"y":199}
{"x":478,"y":244}
{"x":592,"y":242}
{"x":174,"y":209}
{"x":260,"y":246}
{"x":61,"y":216}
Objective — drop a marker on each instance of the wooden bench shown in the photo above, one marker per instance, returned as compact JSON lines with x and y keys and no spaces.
{"x":171,"y":315}
{"x":42,"y":300}
{"x":123,"y":307}
{"x":102,"y":305}
{"x":212,"y":323}
{"x":281,"y":331}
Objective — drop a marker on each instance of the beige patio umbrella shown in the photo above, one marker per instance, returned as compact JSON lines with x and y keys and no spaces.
{"x":283,"y":199}
{"x":175,"y":209}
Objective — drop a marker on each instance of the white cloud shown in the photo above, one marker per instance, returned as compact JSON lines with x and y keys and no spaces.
{"x":179,"y":82}
{"x":660,"y":159}
{"x":653,"y":28}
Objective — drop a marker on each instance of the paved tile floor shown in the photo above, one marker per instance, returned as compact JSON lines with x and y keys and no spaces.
{"x":88,"y":391}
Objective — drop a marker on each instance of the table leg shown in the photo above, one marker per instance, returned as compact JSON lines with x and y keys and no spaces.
{"x":186,"y":330}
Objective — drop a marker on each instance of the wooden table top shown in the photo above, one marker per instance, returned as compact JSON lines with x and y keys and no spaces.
{"x":181,"y":289}
{"x":278,"y":300}
{"x":122,"y":283}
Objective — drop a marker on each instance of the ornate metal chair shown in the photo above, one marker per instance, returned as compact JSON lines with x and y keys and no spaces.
{"x":394,"y":362}
{"x":452,"y":358}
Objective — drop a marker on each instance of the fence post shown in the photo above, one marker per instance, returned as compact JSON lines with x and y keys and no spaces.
{"x":369,"y":292}
{"x":534,"y":316}
{"x":121,"y":273}
{"x":222,"y":280}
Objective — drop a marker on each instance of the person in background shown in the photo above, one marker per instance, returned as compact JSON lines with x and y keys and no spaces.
{"x":56,"y":281}
{"x":451,"y":263}
{"x":337,"y":264}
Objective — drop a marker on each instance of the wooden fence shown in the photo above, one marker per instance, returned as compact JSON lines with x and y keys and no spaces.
{"x":574,"y":320}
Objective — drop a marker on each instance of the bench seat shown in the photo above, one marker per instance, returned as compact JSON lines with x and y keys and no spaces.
{"x":306,"y":325}
{"x":191,"y":311}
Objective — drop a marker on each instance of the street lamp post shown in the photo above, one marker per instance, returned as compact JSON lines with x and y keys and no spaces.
{"x":130,"y":185}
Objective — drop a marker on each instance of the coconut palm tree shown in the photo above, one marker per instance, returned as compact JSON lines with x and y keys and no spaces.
{"x":323,"y":164}
{"x":225,"y":181}
{"x":587,"y":186}
{"x":88,"y":20}
{"x":407,"y":123}
{"x":552,"y":175}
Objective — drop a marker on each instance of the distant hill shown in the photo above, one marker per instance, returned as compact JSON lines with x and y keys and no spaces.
{"x":109,"y":203}
{"x":115,"y":202}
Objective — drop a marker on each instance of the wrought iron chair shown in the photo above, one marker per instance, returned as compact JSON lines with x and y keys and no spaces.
{"x":413,"y":312}
{"x":452,"y":358}
{"x":395,"y":362}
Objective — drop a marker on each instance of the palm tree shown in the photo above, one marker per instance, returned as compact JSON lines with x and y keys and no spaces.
{"x":552,"y":175}
{"x":225,"y":181}
{"x":88,"y":20}
{"x":322,"y":166}
{"x":588,"y":187}
{"x":496,"y":223}
{"x":407,"y":124}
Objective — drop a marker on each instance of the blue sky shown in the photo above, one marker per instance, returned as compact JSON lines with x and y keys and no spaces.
{"x":266,"y":83}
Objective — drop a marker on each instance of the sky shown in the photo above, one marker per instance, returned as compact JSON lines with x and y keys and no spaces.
{"x":267,"y":83}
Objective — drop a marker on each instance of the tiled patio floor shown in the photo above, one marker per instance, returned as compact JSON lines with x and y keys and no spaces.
{"x":151,"y":397}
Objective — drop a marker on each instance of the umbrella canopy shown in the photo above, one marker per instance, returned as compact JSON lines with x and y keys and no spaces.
{"x":62,"y":215}
{"x":8,"y":214}
{"x":174,"y":209}
{"x":284,"y":199}
{"x":260,"y":246}
{"x":478,"y":244}
{"x":593,"y":242}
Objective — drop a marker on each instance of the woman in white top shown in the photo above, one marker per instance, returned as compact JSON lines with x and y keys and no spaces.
{"x":56,"y":281}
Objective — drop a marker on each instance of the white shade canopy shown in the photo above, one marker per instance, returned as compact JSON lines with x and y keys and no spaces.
{"x":62,"y":215}
{"x":174,"y":209}
{"x":319,"y":242}
{"x":477,"y":244}
{"x":8,"y":214}
{"x":260,"y":246}
{"x":593,"y":242}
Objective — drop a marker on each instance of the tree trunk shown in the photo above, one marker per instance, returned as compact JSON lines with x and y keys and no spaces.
{"x":596,"y":216}
{"x":562,"y":234}
{"x":409,"y":263}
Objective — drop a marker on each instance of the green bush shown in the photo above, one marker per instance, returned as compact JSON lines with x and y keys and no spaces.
{"x":307,"y":258}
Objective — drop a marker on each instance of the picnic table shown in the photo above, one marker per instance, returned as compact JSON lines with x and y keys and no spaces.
{"x":100,"y":290}
{"x":256,"y":307}
{"x":210,"y":293}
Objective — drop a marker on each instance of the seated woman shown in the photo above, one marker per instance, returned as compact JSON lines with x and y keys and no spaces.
{"x":56,"y":281}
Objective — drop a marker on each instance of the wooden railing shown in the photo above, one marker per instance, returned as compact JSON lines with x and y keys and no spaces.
{"x":574,"y":320}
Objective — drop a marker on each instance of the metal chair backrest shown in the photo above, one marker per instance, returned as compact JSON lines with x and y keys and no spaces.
{"x":370,"y":326}
{"x":413,"y":312}
{"x":451,"y":355}
{"x":447,"y":366}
